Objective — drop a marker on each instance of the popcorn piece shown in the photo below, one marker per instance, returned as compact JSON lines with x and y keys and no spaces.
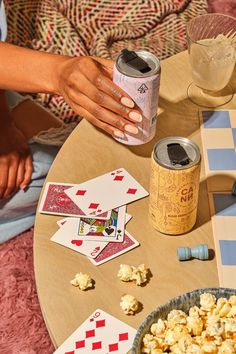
{"x":194,"y":325}
{"x":227,"y":347}
{"x":214,"y":326}
{"x":158,"y":328}
{"x":232,"y":300}
{"x":232,"y":312}
{"x":222,"y":307}
{"x":194,"y":349}
{"x":194,"y":311}
{"x":140,"y":274}
{"x":230,"y":325}
{"x":129,"y":273}
{"x":150,"y":343}
{"x":210,"y":348}
{"x":176,"y":317}
{"x":129,"y":304}
{"x":207,"y":301}
{"x":125,"y":272}
{"x":83,"y":281}
{"x":169,"y":337}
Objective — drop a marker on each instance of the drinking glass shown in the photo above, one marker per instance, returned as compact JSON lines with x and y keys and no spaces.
{"x":212,"y":53}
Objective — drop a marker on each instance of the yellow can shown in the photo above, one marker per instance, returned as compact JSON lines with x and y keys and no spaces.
{"x":174,"y":185}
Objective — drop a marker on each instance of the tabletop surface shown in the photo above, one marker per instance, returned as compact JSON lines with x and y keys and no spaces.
{"x":89,"y":153}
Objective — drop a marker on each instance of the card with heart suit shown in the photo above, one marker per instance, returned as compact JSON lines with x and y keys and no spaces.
{"x":66,"y":236}
{"x":106,"y":192}
{"x":112,"y":230}
{"x":101,"y":333}
{"x":113,"y":250}
{"x":55,"y":201}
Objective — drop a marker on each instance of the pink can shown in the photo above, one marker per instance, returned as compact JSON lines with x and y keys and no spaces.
{"x":138,"y":74}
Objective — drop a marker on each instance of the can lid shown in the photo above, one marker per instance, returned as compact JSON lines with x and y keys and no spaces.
{"x":176,"y":153}
{"x":139,"y":63}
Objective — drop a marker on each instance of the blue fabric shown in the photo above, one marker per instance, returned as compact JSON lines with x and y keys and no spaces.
{"x":3,"y":22}
{"x":17,"y":213}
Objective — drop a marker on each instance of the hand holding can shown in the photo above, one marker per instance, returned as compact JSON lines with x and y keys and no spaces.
{"x":138,"y":74}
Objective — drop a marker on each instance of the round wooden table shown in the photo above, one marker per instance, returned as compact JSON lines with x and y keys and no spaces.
{"x":88,"y":153}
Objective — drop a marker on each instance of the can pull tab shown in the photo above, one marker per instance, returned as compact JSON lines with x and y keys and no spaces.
{"x":133,"y":60}
{"x":177,"y":154}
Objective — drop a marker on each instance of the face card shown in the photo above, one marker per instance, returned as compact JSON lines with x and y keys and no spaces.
{"x":101,"y":333}
{"x":55,"y":201}
{"x":106,"y":192}
{"x":111,"y":230}
{"x":113,"y":250}
{"x":67,"y":236}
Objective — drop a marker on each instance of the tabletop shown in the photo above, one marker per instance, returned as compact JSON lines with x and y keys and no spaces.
{"x":88,"y":153}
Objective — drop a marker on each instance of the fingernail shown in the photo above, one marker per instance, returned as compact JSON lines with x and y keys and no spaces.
{"x":118,"y":134}
{"x":131,"y":129}
{"x":127,"y":102}
{"x":23,"y":187}
{"x":135,"y":116}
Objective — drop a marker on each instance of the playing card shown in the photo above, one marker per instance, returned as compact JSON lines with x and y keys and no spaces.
{"x":106,"y":192}
{"x":61,"y":222}
{"x":101,"y":333}
{"x":66,"y":236}
{"x":111,"y":230}
{"x":55,"y":201}
{"x":113,"y":250}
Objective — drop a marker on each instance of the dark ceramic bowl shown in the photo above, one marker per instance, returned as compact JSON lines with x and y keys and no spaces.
{"x":182,"y":302}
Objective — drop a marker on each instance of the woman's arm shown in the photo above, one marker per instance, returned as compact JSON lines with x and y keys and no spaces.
{"x":84,"y":82}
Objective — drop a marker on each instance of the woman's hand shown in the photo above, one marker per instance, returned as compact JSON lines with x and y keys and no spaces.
{"x":15,"y":160}
{"x":86,"y":85}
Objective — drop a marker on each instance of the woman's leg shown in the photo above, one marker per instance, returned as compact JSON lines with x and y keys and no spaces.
{"x":17,"y":213}
{"x":30,"y":117}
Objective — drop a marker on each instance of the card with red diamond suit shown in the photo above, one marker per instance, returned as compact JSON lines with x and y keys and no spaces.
{"x":101,"y":333}
{"x":67,"y":235}
{"x":106,"y":192}
{"x":55,"y":201}
{"x":113,"y":250}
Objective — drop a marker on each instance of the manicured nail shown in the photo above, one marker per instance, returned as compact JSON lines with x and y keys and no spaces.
{"x":118,"y":134}
{"x":23,"y":187}
{"x":131,"y":129}
{"x":135,"y":116}
{"x":127,"y":102}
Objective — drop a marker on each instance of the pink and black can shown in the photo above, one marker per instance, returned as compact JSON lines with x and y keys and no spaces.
{"x":138,"y":74}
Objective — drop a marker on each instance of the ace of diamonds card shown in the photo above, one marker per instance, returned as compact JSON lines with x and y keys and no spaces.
{"x":106,"y":192}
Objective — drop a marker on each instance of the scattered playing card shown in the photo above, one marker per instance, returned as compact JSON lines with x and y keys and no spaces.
{"x":106,"y":192}
{"x":113,"y":250}
{"x":67,"y":235}
{"x":55,"y":201}
{"x":62,"y":221}
{"x":101,"y":333}
{"x":111,"y":230}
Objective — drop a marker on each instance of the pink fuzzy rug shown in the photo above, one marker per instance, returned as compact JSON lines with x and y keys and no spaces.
{"x":22,"y":329}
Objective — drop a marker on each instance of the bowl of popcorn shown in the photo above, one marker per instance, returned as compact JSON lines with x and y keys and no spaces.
{"x":201,"y":321}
